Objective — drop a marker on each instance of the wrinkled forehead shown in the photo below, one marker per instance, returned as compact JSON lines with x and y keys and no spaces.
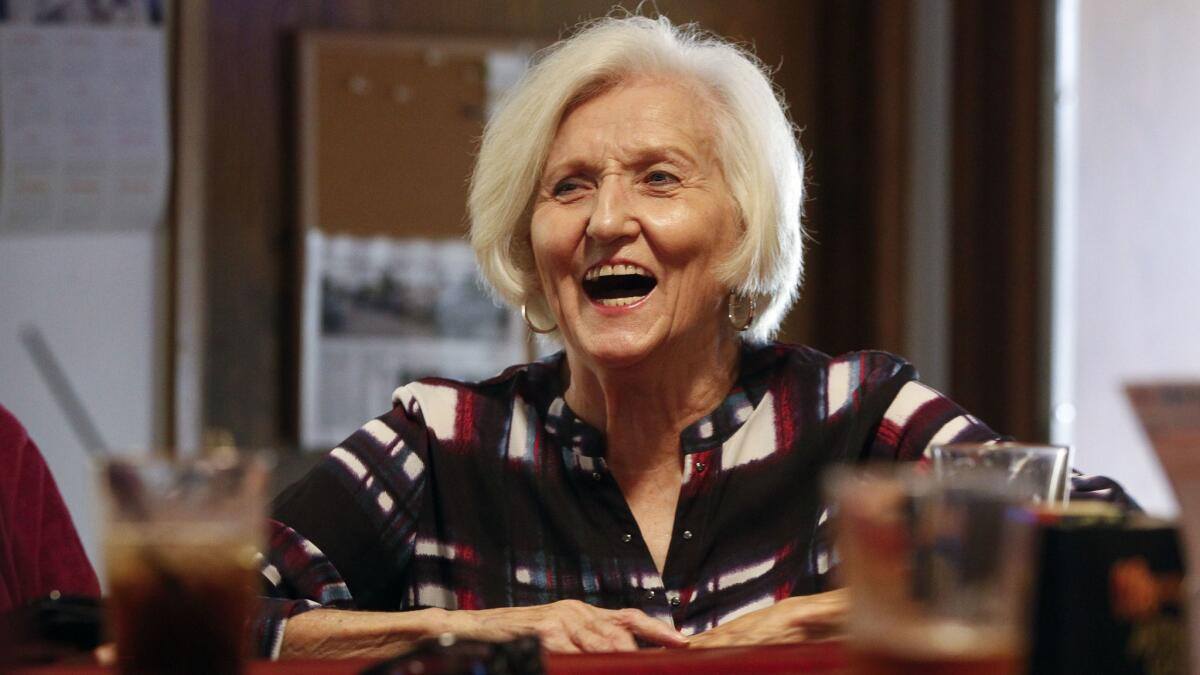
{"x":637,"y":116}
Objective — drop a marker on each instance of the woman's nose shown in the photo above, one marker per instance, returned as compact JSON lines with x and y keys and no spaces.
{"x":613,"y":217}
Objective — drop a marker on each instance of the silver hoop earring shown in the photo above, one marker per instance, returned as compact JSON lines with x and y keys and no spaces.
{"x":535,"y":329}
{"x":740,"y":326}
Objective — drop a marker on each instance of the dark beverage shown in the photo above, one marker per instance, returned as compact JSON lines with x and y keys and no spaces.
{"x":180,"y":606}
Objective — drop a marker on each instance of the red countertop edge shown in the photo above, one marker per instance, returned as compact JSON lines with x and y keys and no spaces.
{"x":825,"y":658}
{"x":802,"y":659}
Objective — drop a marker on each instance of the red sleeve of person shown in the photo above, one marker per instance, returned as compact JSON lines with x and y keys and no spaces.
{"x":40,"y":551}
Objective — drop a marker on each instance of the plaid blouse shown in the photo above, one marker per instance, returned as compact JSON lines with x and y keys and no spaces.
{"x":495,"y":494}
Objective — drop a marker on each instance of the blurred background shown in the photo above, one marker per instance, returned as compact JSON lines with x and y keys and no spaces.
{"x":210,"y":210}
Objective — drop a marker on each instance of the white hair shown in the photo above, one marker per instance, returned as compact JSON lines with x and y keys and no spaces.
{"x":756,"y":147}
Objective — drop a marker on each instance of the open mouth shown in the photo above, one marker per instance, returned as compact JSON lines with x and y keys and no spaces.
{"x":618,"y":285}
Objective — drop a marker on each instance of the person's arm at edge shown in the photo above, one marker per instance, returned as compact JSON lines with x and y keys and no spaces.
{"x":44,"y":550}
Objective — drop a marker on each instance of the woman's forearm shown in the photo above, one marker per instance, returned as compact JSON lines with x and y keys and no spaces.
{"x":341,"y":634}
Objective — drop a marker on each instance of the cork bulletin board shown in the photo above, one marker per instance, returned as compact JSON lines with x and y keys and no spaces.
{"x":389,"y":127}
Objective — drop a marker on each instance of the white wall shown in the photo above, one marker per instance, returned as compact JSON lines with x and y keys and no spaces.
{"x":1137,"y":232}
{"x":99,"y":300}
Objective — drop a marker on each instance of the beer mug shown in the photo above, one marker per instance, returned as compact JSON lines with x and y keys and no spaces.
{"x":937,"y":569}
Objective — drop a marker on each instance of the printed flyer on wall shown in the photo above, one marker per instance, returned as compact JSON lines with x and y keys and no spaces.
{"x":381,"y":312}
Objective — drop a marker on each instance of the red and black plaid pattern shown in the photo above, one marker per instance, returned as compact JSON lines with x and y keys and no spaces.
{"x":470,"y":496}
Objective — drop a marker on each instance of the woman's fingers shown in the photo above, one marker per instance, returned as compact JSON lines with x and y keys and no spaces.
{"x":598,"y":630}
{"x":603,"y":630}
{"x":556,"y":633}
{"x":823,"y":611}
{"x":559,"y":642}
{"x":642,"y":625}
{"x":572,"y":626}
{"x":591,"y":637}
{"x":811,"y":617}
{"x":616,"y":637}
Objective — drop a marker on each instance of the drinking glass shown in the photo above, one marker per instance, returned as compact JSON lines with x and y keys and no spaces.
{"x":180,"y":543}
{"x":1037,"y":473}
{"x":937,"y":570}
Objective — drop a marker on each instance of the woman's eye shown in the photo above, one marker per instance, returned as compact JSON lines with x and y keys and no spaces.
{"x":565,"y":187}
{"x":660,"y":178}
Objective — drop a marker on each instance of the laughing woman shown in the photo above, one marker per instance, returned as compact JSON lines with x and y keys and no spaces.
{"x":656,"y":482}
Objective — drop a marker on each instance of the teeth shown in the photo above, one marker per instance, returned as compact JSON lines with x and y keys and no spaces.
{"x":609,"y":270}
{"x":620,"y":302}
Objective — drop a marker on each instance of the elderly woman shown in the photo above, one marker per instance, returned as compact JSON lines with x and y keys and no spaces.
{"x":638,"y":195}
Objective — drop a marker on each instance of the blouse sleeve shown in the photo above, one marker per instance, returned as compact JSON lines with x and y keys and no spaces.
{"x":899,"y":418}
{"x":920,"y":417}
{"x":916,"y":417}
{"x":342,"y":537}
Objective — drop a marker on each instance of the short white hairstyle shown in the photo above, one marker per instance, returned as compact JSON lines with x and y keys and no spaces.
{"x":756,"y":147}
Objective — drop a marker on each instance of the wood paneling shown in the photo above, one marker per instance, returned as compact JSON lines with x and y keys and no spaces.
{"x":998,"y":359}
{"x":855,"y":289}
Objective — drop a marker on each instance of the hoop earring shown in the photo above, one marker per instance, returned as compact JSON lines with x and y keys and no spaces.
{"x":535,"y":329}
{"x":743,"y":325}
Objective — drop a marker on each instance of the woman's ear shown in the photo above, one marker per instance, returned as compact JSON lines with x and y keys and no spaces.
{"x":534,"y":286}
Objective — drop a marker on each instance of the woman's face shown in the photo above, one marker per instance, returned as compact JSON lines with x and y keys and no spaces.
{"x":631,"y":219}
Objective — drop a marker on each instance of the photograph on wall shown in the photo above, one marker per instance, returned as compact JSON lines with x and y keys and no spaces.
{"x":381,"y":312}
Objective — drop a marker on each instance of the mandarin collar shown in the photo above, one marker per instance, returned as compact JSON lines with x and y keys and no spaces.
{"x":571,"y":432}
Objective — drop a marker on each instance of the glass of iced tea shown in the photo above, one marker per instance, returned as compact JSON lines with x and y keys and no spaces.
{"x":938,"y":570}
{"x":180,"y":543}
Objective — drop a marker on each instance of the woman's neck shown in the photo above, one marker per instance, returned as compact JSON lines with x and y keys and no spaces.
{"x":643,"y":408}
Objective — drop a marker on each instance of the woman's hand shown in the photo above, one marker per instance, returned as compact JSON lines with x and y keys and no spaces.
{"x":565,"y":626}
{"x":570,"y":626}
{"x":809,"y":617}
